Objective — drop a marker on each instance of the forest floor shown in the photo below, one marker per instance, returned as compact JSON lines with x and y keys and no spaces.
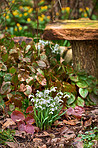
{"x":63,"y":134}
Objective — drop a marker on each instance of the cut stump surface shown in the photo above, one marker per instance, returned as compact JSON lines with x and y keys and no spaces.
{"x":83,"y":35}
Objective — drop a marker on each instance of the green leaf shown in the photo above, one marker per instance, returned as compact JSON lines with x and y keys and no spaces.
{"x":12,"y":70}
{"x":15,"y":79}
{"x":95,"y":90}
{"x":83,"y":92}
{"x":69,"y":69}
{"x":5,"y":57}
{"x":71,"y":99}
{"x":2,"y":73}
{"x":7,"y":77}
{"x":74,"y":77}
{"x":1,"y":102}
{"x":3,"y":67}
{"x":5,"y":88}
{"x":80,"y":101}
{"x":82,"y":84}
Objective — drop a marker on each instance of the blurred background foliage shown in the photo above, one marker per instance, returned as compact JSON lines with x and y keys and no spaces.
{"x":29,"y":17}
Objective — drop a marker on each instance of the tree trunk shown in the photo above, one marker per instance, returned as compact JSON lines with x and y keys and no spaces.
{"x":85,"y":56}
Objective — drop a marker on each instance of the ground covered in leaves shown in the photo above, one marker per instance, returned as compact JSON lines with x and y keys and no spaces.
{"x":64,"y":133}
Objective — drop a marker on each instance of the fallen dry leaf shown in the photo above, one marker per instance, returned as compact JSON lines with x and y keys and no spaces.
{"x":45,"y":133}
{"x":70,"y":122}
{"x":41,"y":79}
{"x":88,"y":122}
{"x":37,"y":140}
{"x":12,"y":144}
{"x":63,"y":130}
{"x":22,"y":87}
{"x":58,"y":123}
{"x":8,"y":123}
{"x":21,"y":134}
{"x":77,"y":143}
{"x":43,"y":146}
{"x":69,"y":135}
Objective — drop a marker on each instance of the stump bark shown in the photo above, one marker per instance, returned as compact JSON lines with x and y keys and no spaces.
{"x":85,"y":56}
{"x":83,"y":35}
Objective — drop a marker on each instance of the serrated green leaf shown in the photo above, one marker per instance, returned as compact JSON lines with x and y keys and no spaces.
{"x":82,"y":84}
{"x":80,"y":101}
{"x":83,"y":92}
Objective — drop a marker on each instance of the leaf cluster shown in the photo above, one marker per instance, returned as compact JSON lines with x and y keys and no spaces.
{"x":88,"y":137}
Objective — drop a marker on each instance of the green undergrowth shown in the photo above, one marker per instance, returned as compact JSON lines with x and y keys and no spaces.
{"x":6,"y":136}
{"x":25,"y":68}
{"x":89,"y":138}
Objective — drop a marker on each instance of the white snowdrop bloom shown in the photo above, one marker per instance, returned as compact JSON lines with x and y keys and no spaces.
{"x":56,"y":108}
{"x":47,"y":105}
{"x":51,"y":112}
{"x":51,"y":105}
{"x":30,"y":96}
{"x":32,"y":100}
{"x":52,"y":109}
{"x":38,"y":47}
{"x":40,"y":106}
{"x":46,"y":91}
{"x":60,"y":93}
{"x":36,"y":106}
{"x":56,"y":98}
{"x":60,"y":97}
{"x":43,"y":108}
{"x":53,"y":89}
{"x":41,"y":102}
{"x":37,"y":100}
{"x":50,"y":98}
{"x":40,"y":94}
{"x":61,"y":100}
{"x":66,"y":96}
{"x":44,"y":101}
{"x":48,"y":101}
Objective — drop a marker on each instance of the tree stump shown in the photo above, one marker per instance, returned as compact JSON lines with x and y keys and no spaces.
{"x":83,"y":36}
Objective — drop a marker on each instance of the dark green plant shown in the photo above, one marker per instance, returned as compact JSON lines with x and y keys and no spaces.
{"x":26,"y":68}
{"x":6,"y":136}
{"x":19,"y":18}
{"x":86,"y":86}
{"x":89,"y":137}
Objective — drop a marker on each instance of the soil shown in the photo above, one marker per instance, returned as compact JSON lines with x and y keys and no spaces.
{"x":63,"y":134}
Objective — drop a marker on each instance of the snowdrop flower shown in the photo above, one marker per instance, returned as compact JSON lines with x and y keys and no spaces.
{"x":52,"y":109}
{"x":51,"y":105}
{"x":31,"y":96}
{"x":36,"y":106}
{"x":60,"y":93}
{"x":48,"y":101}
{"x":39,"y":94}
{"x":51,"y":112}
{"x":40,"y":106}
{"x":53,"y":89}
{"x":66,"y":96}
{"x":32,"y":100}
{"x":46,"y":91}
